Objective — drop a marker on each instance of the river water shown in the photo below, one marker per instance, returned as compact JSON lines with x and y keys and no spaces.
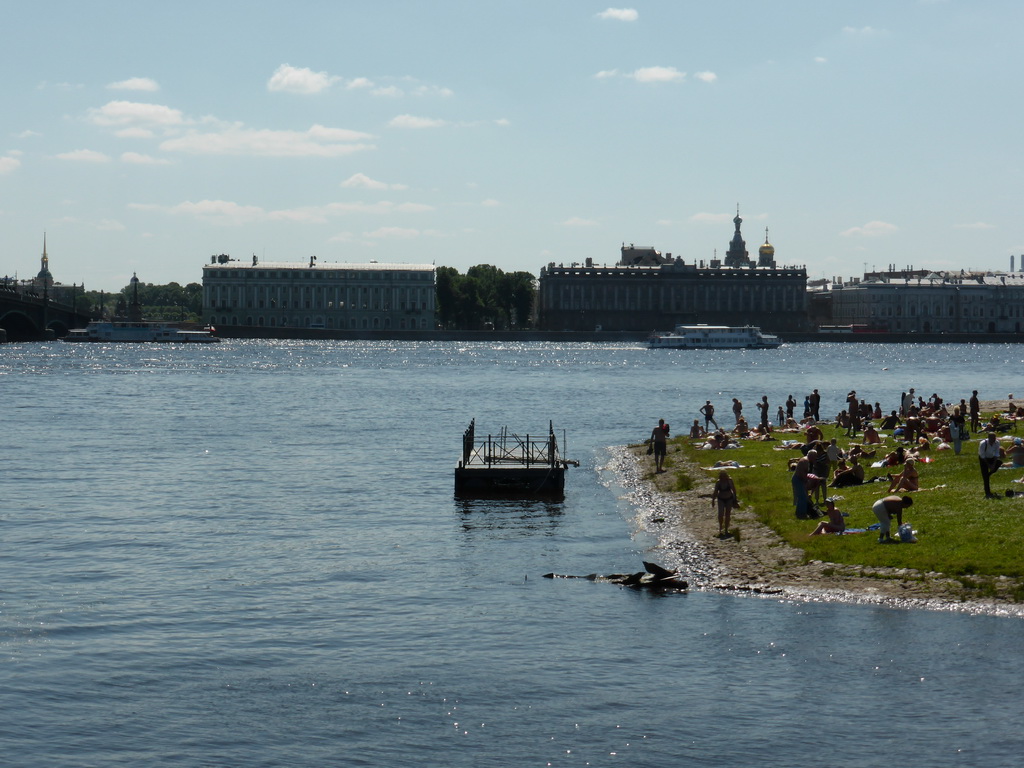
{"x":249,"y":554}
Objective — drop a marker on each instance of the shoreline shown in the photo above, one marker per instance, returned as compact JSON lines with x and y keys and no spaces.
{"x":760,"y":563}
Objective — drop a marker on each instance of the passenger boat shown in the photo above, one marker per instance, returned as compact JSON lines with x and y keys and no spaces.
{"x":140,"y":331}
{"x":714,"y":337}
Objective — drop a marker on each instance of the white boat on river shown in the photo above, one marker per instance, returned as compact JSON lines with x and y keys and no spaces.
{"x":714,"y":337}
{"x":139,"y":331}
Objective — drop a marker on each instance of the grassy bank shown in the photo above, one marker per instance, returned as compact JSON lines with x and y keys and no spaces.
{"x":961,"y":534}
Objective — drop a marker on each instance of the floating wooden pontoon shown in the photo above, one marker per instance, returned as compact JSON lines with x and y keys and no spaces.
{"x":508,"y":465}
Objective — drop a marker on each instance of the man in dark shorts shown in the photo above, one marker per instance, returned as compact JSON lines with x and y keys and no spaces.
{"x":708,"y":412}
{"x":659,"y":441}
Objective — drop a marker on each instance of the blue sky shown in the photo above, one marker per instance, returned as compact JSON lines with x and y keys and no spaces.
{"x":147,"y":137}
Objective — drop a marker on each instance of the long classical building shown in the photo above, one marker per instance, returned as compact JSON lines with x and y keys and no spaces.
{"x":647,"y":291}
{"x":374,"y":296}
{"x":935,"y":302}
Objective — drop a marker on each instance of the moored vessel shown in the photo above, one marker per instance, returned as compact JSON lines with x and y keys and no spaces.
{"x":140,"y":331}
{"x":714,"y":337}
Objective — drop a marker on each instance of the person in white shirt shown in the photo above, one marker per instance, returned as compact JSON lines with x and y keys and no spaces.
{"x":990,"y":457}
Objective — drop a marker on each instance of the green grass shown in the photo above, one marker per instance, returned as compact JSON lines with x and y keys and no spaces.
{"x":960,"y":533}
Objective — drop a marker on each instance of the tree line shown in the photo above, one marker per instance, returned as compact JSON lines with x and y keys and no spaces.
{"x":485,"y":298}
{"x":170,"y":302}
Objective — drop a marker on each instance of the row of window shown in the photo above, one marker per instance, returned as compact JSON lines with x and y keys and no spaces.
{"x":229,"y":274}
{"x":329,"y":323}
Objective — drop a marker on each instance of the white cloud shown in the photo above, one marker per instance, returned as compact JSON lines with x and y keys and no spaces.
{"x":139,"y":159}
{"x":975,"y":225}
{"x":864,"y":31}
{"x":359,"y":82}
{"x":362,"y":181}
{"x":85,"y":155}
{"x":393,"y":233}
{"x":115,"y":113}
{"x":604,"y":74}
{"x":226,"y":212}
{"x":411,"y":121}
{"x":657,"y":75}
{"x":300,"y":80}
{"x":577,"y":221}
{"x":820,"y":60}
{"x":109,"y":225}
{"x":134,"y":132}
{"x":711,"y":218}
{"x":434,"y":90}
{"x":28,"y":134}
{"x":318,"y":141}
{"x":503,"y":121}
{"x":383,"y":206}
{"x":219,"y":212}
{"x":135,"y":84}
{"x":390,"y":91}
{"x":9,"y":165}
{"x":705,"y":77}
{"x":619,"y":14}
{"x":871,"y":229}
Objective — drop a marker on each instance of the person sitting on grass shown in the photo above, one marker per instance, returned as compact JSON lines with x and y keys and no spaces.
{"x":858,"y":451}
{"x":697,"y":430}
{"x":847,"y":475}
{"x":871,"y":435}
{"x":891,"y":421}
{"x":835,"y":522}
{"x":1016,"y":453}
{"x":907,"y":480}
{"x":896,"y":458}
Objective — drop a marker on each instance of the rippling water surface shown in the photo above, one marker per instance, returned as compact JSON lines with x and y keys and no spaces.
{"x":249,"y":555}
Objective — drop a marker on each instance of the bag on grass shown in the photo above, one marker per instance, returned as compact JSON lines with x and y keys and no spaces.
{"x":906,"y":534}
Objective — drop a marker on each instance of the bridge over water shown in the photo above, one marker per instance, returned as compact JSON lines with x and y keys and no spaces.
{"x":33,"y":317}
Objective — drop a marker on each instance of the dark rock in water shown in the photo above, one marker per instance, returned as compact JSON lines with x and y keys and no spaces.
{"x":654,"y":577}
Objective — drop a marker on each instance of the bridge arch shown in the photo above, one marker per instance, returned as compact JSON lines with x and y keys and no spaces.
{"x":19,"y":326}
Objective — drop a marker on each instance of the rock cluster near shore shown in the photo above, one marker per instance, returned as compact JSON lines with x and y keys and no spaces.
{"x":759,"y":561}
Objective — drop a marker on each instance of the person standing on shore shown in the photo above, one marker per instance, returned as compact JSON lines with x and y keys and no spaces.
{"x":790,"y":407}
{"x":725,"y":496}
{"x":990,"y":458}
{"x":765,"y":410}
{"x":815,"y":399}
{"x":884,"y":509}
{"x":907,"y":402}
{"x":659,"y":442}
{"x":975,"y":408}
{"x":800,"y":498}
{"x":957,"y":428}
{"x":708,"y":412}
{"x":737,"y":409}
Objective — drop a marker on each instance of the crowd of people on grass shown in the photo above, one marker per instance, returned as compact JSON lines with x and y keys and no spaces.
{"x":897,"y":443}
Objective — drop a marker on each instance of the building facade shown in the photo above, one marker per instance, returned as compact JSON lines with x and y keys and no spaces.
{"x":647,"y":291}
{"x":374,"y":296}
{"x":938,"y":302}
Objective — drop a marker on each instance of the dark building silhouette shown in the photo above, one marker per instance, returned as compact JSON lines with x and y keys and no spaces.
{"x":646,"y":290}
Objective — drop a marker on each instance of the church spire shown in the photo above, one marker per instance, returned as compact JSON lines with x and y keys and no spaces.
{"x":737,"y":255}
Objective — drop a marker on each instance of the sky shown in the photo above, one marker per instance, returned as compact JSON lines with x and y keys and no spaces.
{"x":147,"y":137}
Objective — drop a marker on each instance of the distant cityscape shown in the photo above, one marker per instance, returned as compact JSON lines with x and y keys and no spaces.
{"x":643,"y":291}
